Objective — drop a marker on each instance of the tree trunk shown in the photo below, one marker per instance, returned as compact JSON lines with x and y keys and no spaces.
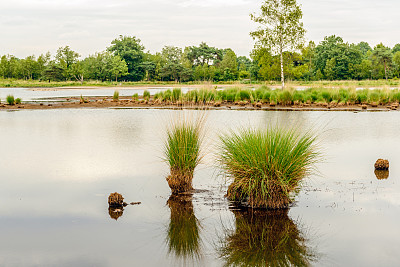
{"x":385,"y":72}
{"x":282,"y":75}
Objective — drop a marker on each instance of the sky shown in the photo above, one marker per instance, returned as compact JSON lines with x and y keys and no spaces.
{"x":33,"y":27}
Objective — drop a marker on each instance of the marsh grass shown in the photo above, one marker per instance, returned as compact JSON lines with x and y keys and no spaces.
{"x":146,"y":95}
{"x":116,"y":95}
{"x":266,"y":165}
{"x":10,"y":100}
{"x":182,"y":149}
{"x":265,"y":238}
{"x":18,"y":101}
{"x":183,"y":234}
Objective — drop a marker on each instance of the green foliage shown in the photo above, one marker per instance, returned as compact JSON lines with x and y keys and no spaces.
{"x":266,"y":165}
{"x":10,"y":100}
{"x":18,"y":101}
{"x":280,"y":27}
{"x":130,"y":49}
{"x":135,"y":97}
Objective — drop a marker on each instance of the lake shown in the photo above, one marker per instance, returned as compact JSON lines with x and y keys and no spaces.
{"x":57,"y":168}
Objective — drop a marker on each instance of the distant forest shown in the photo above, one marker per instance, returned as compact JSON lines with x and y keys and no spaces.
{"x":126,"y":60}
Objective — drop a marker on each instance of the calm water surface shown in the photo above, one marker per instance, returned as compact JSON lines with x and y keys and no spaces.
{"x":58,"y":167}
{"x":51,"y":94}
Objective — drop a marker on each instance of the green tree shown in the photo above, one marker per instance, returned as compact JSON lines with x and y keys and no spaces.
{"x":382,"y":55}
{"x":65,"y":58}
{"x":396,"y":49}
{"x":131,"y":50}
{"x":229,"y":65}
{"x":396,"y":62}
{"x":344,"y":54}
{"x":281,"y":28}
{"x":203,"y":54}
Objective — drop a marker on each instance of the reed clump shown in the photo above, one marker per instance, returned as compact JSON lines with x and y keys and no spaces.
{"x":10,"y":100}
{"x":116,"y":96}
{"x":182,"y":151}
{"x":267,"y":165}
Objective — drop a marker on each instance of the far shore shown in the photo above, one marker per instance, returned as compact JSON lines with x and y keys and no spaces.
{"x":129,"y":103}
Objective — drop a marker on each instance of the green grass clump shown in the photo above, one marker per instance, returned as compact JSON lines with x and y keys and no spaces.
{"x":266,"y":165}
{"x":265,"y":238}
{"x":182,"y":151}
{"x":135,"y":97}
{"x":10,"y":100}
{"x":146,"y":95}
{"x":176,"y":94}
{"x":18,"y":101}
{"x":116,"y":96}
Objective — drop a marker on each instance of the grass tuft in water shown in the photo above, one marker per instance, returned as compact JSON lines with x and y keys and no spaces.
{"x":116,"y":96}
{"x":18,"y":101}
{"x":146,"y":95}
{"x":10,"y":100}
{"x":182,"y":151}
{"x":266,"y":165}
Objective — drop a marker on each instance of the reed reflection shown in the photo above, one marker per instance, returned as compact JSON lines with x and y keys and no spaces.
{"x":183,"y":235}
{"x":265,"y":238}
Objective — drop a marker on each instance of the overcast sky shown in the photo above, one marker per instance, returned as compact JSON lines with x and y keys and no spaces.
{"x":36,"y":26}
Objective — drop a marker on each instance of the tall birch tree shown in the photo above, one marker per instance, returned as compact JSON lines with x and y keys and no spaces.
{"x":280,"y":28}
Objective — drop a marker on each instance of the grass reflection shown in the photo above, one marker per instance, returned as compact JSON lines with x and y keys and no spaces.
{"x":183,"y":237}
{"x":265,"y":238}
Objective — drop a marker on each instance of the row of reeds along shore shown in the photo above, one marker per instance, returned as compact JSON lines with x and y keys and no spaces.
{"x":266,"y":166}
{"x":335,"y":97}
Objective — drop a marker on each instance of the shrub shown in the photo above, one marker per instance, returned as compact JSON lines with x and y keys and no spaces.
{"x":135,"y":97}
{"x":18,"y":101}
{"x":10,"y":100}
{"x":182,"y":151}
{"x":266,"y":165}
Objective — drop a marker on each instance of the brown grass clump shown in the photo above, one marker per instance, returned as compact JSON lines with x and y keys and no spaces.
{"x":382,"y":164}
{"x":115,"y":200}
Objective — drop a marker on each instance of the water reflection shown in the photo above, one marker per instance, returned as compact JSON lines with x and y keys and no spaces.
{"x":183,"y":235}
{"x":265,"y":238}
{"x":381,"y":174}
{"x":115,"y":213}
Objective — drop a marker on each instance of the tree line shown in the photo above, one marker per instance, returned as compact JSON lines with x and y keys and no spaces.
{"x":126,"y":60}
